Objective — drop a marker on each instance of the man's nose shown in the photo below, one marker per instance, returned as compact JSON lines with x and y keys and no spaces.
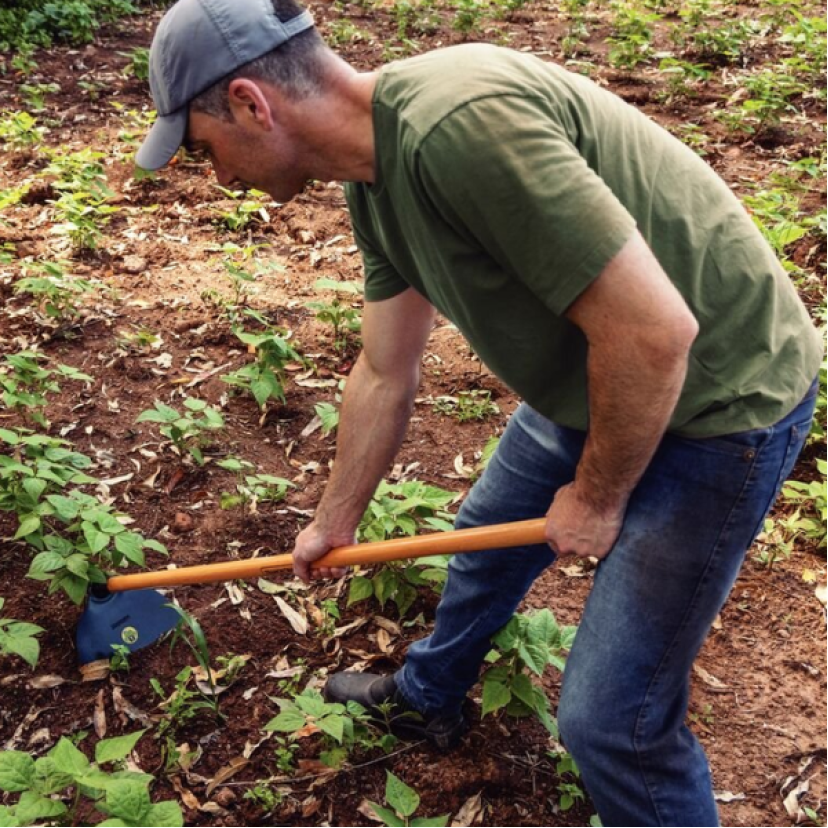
{"x":223,"y":176}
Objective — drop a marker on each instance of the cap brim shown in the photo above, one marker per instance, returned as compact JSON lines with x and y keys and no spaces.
{"x":163,"y":140}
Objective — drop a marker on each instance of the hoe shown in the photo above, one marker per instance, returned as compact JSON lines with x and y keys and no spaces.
{"x":128,"y":611}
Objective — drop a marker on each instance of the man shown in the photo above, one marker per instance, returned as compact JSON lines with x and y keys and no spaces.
{"x":601,"y":270}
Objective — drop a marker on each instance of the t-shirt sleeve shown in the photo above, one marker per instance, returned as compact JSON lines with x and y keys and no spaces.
{"x":504,"y":172}
{"x":382,"y":280}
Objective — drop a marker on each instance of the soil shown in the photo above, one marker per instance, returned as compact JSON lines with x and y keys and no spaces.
{"x":758,"y":695}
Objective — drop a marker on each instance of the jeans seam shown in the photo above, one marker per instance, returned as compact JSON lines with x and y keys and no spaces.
{"x":673,"y":644}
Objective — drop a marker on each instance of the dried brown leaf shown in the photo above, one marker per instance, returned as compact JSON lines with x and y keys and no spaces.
{"x":225,"y":773}
{"x":296,"y":619}
{"x":95,"y":670}
{"x":470,"y":813}
{"x":46,"y":682}
{"x":99,"y":715}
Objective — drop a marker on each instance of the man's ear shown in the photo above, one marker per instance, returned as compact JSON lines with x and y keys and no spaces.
{"x":249,"y":104}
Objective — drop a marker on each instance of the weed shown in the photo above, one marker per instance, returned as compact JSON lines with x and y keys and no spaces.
{"x":527,"y":642}
{"x":340,"y":31}
{"x":403,"y":802}
{"x":467,"y":405}
{"x":119,"y":660}
{"x":812,"y":499}
{"x":264,"y":796}
{"x":19,"y":638}
{"x":328,"y":414}
{"x":189,"y":431}
{"x":568,"y":785}
{"x":180,"y":707}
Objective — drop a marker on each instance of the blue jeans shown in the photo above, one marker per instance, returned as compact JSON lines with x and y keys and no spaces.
{"x":689,"y":522}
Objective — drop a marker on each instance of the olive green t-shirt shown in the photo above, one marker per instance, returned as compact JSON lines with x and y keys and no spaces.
{"x":504,"y":185}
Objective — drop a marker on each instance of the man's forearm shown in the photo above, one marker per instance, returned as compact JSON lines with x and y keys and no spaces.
{"x":372,"y":424}
{"x":633,"y":390}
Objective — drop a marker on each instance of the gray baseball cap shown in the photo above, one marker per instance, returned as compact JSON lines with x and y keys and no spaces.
{"x":198,"y":42}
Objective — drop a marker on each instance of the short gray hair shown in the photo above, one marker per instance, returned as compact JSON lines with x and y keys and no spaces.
{"x":297,"y":67}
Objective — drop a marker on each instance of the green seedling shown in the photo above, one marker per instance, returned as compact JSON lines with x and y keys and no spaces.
{"x":328,"y":415}
{"x":246,"y":212}
{"x":683,"y":78}
{"x":137,"y":65}
{"x":19,"y":130}
{"x":251,"y":489}
{"x":19,"y":638}
{"x":190,"y":432}
{"x":631,"y":41}
{"x":467,"y":406}
{"x":56,"y":293}
{"x":264,"y":378}
{"x":23,"y":63}
{"x":339,"y":313}
{"x":35,"y":94}
{"x":264,"y":796}
{"x":26,"y":384}
{"x":527,"y":643}
{"x":119,"y":660}
{"x":63,"y":785}
{"x":403,"y":802}
{"x":180,"y":707}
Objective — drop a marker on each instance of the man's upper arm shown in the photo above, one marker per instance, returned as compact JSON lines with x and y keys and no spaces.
{"x":395,"y":332}
{"x":632,"y":297}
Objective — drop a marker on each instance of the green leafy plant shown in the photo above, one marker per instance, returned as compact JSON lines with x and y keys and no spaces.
{"x":568,"y":780}
{"x":811,"y":499}
{"x":339,"y":313}
{"x":328,"y":415}
{"x":251,"y":489}
{"x":19,"y":638}
{"x":264,"y":796}
{"x":401,"y":509}
{"x":264,"y":378}
{"x":60,"y":786}
{"x":19,"y":130}
{"x":56,"y":293}
{"x":79,"y":539}
{"x":467,"y":405}
{"x":26,"y":383}
{"x":137,"y":65}
{"x":528,"y":642}
{"x":245,"y":211}
{"x":403,"y":801}
{"x":631,"y":41}
{"x":342,"y":728}
{"x":180,"y":707}
{"x":190,"y":430}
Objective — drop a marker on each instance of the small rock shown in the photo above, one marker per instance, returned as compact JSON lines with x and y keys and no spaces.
{"x":224,"y":797}
{"x":134,"y":264}
{"x":182,"y":523}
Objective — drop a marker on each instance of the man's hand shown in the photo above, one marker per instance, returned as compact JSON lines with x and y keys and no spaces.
{"x":576,"y":526}
{"x":311,"y":544}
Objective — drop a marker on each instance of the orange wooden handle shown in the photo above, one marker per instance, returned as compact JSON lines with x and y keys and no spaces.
{"x":504,"y":535}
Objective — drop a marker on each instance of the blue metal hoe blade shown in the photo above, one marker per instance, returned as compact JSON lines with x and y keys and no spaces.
{"x":133,"y":619}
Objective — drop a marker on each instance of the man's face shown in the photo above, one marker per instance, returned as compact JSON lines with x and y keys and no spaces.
{"x":245,"y":158}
